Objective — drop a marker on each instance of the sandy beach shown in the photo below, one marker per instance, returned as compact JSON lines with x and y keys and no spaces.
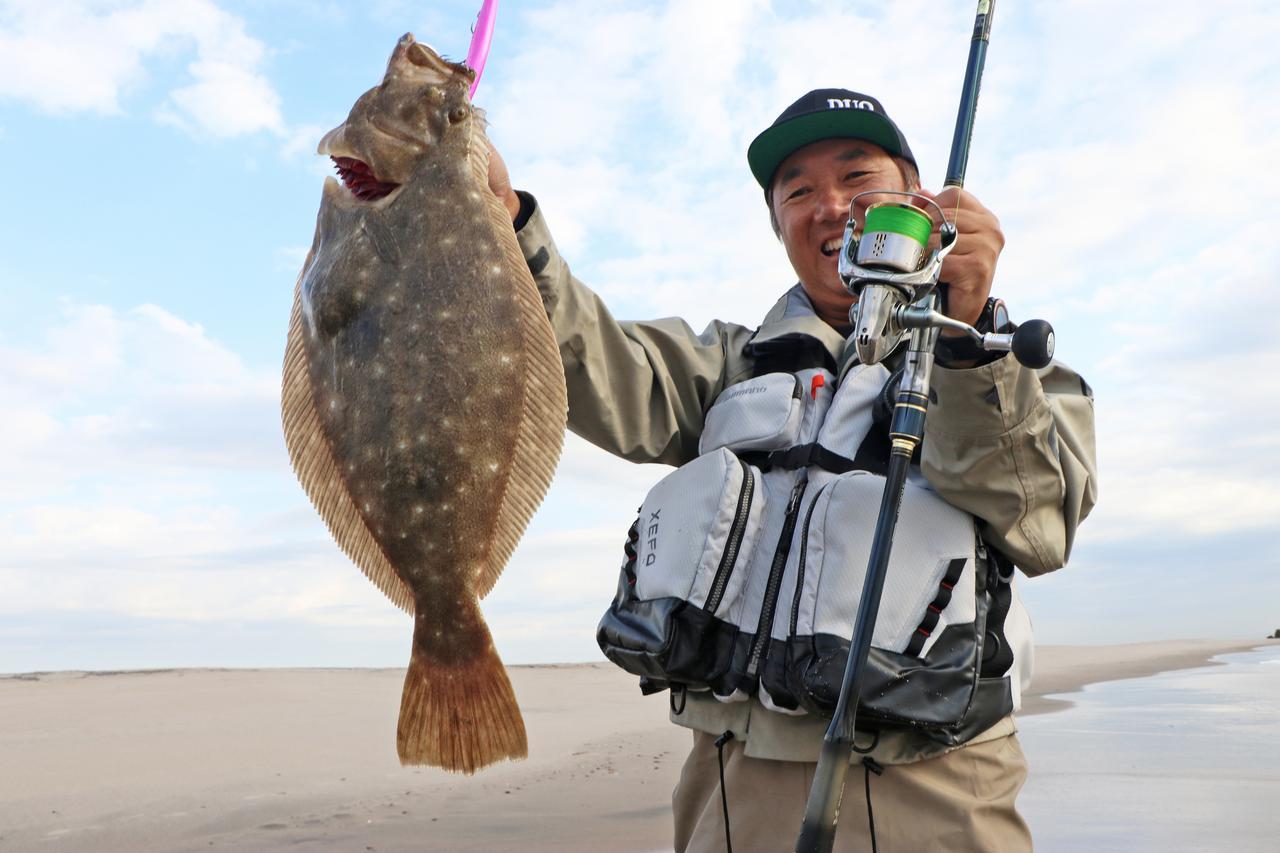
{"x":184,"y":760}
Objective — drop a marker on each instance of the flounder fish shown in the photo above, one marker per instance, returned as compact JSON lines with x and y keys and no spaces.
{"x":424,"y":396}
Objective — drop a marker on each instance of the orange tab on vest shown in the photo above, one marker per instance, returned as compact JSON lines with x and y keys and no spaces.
{"x":818,"y":381}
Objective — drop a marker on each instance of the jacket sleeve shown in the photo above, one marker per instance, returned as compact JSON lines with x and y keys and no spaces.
{"x":1015,"y":448}
{"x":636,"y":389}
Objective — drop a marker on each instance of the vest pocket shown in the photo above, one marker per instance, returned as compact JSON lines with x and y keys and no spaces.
{"x":695,"y":533}
{"x":850,"y":417}
{"x":927,"y":624}
{"x":764,"y":413}
{"x":696,"y":525}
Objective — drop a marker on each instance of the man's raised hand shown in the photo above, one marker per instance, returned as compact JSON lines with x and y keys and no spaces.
{"x":500,"y":182}
{"x":970,"y":268}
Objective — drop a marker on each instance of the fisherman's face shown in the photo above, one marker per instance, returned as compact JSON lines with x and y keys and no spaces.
{"x":811,"y":195}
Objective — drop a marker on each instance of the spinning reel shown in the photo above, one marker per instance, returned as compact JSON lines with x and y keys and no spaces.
{"x":894,"y":274}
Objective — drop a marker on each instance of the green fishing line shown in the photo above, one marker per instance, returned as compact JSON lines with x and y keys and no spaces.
{"x":901,"y":219}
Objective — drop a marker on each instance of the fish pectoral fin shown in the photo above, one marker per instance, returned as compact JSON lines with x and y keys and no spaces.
{"x":386,"y":245}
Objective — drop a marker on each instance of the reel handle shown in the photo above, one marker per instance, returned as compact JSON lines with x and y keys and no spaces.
{"x":1031,"y":343}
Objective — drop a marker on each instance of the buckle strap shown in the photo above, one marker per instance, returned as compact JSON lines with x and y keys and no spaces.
{"x":800,"y":456}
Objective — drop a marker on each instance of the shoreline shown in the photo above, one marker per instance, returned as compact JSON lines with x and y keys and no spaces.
{"x":1058,"y":669}
{"x":263,"y":759}
{"x":1063,"y":670}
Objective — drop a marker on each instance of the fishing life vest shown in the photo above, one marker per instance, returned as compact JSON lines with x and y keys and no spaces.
{"x":744,"y":570}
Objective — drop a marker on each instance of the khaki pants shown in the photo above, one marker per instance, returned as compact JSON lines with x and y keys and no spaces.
{"x":960,"y":802}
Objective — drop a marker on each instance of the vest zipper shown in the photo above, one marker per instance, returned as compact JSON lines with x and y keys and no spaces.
{"x":765,"y":628}
{"x":804,"y":548}
{"x":736,"y":532}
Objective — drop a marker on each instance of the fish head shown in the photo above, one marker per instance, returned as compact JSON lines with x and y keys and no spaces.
{"x":421,"y":105}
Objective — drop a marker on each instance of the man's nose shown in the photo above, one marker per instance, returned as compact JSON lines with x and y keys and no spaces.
{"x":833,"y":204}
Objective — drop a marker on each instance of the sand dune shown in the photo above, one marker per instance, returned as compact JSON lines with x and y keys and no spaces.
{"x":184,"y":760}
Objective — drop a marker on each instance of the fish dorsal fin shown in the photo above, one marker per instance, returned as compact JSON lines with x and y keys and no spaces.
{"x":317,"y":469}
{"x":544,"y":405}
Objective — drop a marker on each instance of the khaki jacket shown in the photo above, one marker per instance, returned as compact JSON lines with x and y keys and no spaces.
{"x":1012,"y":446}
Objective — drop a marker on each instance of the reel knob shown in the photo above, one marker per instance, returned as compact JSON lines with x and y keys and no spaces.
{"x":1033,"y":344}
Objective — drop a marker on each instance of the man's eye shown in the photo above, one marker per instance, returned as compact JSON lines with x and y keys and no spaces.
{"x":796,"y":193}
{"x":853,"y":176}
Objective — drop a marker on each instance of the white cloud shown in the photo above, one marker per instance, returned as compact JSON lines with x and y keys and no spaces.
{"x":87,"y":55}
{"x":136,"y":393}
{"x":1185,"y":369}
{"x":227,"y":100}
{"x":150,"y":483}
{"x":302,"y":141}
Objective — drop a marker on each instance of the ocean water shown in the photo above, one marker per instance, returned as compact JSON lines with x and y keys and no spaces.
{"x":1182,"y":761}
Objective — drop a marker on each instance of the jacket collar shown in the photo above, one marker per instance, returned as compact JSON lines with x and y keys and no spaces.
{"x":792,"y":322}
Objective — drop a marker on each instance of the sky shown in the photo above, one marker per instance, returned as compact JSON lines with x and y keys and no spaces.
{"x":160,"y":193}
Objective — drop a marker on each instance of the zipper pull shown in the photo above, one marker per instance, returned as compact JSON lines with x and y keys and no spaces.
{"x":795,"y":497}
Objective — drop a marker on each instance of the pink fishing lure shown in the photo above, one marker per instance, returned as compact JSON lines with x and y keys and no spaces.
{"x":480,"y":39}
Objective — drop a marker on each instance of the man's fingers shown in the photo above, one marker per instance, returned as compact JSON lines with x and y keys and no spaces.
{"x":949,"y":201}
{"x":500,"y":182}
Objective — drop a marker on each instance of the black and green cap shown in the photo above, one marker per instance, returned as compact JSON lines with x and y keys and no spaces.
{"x":824,"y":114}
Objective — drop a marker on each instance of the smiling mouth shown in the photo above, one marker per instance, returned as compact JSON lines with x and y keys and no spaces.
{"x":831,"y":247}
{"x":359,"y":179}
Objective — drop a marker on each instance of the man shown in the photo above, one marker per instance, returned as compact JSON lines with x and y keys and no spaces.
{"x":1011,"y":446}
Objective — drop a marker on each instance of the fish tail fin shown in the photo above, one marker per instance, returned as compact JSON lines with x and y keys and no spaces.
{"x":461,"y":717}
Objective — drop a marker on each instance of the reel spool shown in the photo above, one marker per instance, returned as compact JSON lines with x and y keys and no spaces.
{"x":892,"y":246}
{"x":895,"y":237}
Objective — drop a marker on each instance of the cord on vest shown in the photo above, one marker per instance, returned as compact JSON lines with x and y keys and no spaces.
{"x":680,"y":691}
{"x":724,"y":796}
{"x":875,"y":741}
{"x":870,"y":765}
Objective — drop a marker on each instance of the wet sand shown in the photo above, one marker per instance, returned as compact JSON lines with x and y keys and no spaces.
{"x":1067,"y":669}
{"x":248,"y":760}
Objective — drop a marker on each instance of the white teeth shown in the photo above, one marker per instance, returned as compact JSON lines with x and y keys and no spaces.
{"x":831,"y":246}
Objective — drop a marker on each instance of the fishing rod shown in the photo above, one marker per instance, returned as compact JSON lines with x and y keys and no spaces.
{"x":895,"y":277}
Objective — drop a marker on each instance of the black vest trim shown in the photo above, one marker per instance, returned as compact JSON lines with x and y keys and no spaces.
{"x":997,"y":654}
{"x":934,"y":611}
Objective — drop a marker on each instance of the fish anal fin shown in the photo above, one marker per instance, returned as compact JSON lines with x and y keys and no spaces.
{"x":318,"y":471}
{"x":544,"y":406}
{"x":458,"y":717}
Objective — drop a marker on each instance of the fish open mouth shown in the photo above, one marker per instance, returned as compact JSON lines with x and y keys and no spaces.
{"x":357,"y":177}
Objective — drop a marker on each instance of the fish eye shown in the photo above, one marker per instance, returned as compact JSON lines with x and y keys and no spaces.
{"x":457,"y":114}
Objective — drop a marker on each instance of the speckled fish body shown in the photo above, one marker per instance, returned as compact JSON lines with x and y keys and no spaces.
{"x":424,"y":399}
